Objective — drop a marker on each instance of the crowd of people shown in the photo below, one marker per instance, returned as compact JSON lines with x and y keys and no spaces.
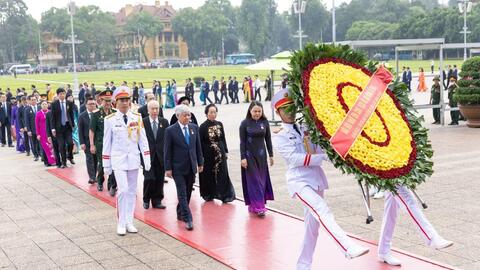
{"x":53,"y":128}
{"x":449,"y":82}
{"x":120,"y":136}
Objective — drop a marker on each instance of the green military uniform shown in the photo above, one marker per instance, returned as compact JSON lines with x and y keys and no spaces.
{"x":455,"y":115}
{"x":96,"y":126}
{"x":434,"y":100}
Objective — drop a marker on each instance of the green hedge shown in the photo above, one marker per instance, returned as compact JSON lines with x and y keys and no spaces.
{"x":468,"y":83}
{"x":468,"y":92}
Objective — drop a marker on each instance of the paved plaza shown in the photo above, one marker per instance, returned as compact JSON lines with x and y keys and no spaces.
{"x":46,"y":223}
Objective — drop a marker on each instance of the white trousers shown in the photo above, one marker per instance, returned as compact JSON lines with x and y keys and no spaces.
{"x":406,"y":200}
{"x":317,"y":214}
{"x":126,"y":196}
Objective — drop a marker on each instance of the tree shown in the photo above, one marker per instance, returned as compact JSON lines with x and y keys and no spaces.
{"x":203,"y":31}
{"x":94,"y":27}
{"x":257,"y":19}
{"x":364,"y":30}
{"x":11,"y":12}
{"x":143,"y":26}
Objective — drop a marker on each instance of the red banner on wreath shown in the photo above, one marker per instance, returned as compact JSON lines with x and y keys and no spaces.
{"x":356,"y":118}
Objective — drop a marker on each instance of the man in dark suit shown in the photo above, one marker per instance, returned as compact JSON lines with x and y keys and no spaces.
{"x":62,"y":125}
{"x":183,"y":154}
{"x":206,"y":89}
{"x":235,"y":90}
{"x":215,"y":88}
{"x":83,"y":107}
{"x":190,"y":91}
{"x":144,"y":109}
{"x":81,"y":94}
{"x":21,"y":121}
{"x":52,"y":140}
{"x":404,"y":76}
{"x":83,"y":131}
{"x":449,"y":75}
{"x":29,"y":113}
{"x":155,"y":126}
{"x":5,"y":121}
{"x":409,"y":79}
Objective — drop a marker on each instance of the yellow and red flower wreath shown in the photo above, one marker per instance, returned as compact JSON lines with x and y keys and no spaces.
{"x":392,"y":148}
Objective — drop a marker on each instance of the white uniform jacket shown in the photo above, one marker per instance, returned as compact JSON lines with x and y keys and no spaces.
{"x":122,"y":142}
{"x":303,"y":169}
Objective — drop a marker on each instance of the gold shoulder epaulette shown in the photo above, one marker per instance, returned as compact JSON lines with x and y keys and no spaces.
{"x":109,"y":116}
{"x":136,"y":113}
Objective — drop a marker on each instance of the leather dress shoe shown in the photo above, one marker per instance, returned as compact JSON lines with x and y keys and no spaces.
{"x":189,"y":226}
{"x":91,"y":181}
{"x":28,"y":154}
{"x":121,"y":230}
{"x":439,"y":243}
{"x":356,"y":251}
{"x":112,"y":191}
{"x":389,"y":259}
{"x":71,"y":161}
{"x":63,"y":166}
{"x":10,"y":145}
{"x":158,"y":206}
{"x":59,"y":166}
{"x":146,"y":205}
{"x":131,"y":229}
{"x":35,"y":159}
{"x":99,"y":188}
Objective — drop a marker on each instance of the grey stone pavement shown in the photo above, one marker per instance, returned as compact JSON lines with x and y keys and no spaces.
{"x":47,"y":223}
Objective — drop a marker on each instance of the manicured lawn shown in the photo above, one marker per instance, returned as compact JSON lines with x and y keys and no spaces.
{"x":145,"y":76}
{"x":164,"y":74}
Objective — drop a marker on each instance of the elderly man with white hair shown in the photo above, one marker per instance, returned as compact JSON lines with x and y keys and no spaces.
{"x":183,"y":159}
{"x":155,"y":126}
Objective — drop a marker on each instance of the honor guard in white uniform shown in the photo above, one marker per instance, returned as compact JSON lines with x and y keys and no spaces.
{"x":124,"y":140}
{"x":406,"y":200}
{"x":306,"y":181}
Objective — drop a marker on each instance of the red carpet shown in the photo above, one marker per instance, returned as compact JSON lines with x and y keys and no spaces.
{"x":231,"y":235}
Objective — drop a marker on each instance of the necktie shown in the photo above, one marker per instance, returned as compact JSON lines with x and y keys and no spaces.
{"x":187,"y":135}
{"x":89,"y":115}
{"x":64,"y":119}
{"x":155,"y":129}
{"x":125,"y":119}
{"x":296,"y":129}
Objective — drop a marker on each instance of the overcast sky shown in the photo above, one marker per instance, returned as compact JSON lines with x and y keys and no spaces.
{"x":36,"y":7}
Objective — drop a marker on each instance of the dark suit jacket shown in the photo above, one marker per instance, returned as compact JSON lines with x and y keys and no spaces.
{"x":84,"y":128}
{"x":57,"y":114}
{"x":409,"y":75}
{"x":81,"y":95}
{"x":21,"y":116}
{"x":215,"y":85}
{"x":156,"y":145}
{"x":29,"y":115}
{"x":5,"y":115}
{"x":48,"y":122}
{"x":180,"y":157}
{"x":144,"y":111}
{"x":235,"y":85}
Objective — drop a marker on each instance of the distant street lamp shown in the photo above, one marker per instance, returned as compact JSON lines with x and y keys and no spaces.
{"x":71,"y":10}
{"x":465,"y":6}
{"x":299,"y":8}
